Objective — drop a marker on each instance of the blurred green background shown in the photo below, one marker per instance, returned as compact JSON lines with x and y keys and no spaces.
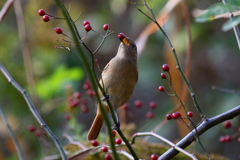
{"x":214,"y":61}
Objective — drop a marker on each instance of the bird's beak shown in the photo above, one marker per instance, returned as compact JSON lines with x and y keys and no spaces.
{"x":125,"y":41}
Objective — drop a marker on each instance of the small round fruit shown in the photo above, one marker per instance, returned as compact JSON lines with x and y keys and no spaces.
{"x":176,"y":115}
{"x":154,"y":157}
{"x":104,"y":149}
{"x":114,"y":133}
{"x":228,"y":138}
{"x":88,"y":27}
{"x":46,"y":18}
{"x":227,"y":124}
{"x":77,"y":95}
{"x":169,"y":117}
{"x":118,"y":141}
{"x":138,"y":104}
{"x":222,"y":139}
{"x":165,"y":67}
{"x":108,"y":157}
{"x":163,"y":76}
{"x":94,"y":143}
{"x":125,"y":106}
{"x":149,"y":115}
{"x":152,"y":104}
{"x":106,"y":27}
{"x":190,"y":114}
{"x":31,"y":128}
{"x":85,"y":23}
{"x":84,"y":108}
{"x":58,"y":30}
{"x":121,"y":35}
{"x":41,"y":12}
{"x":161,"y":88}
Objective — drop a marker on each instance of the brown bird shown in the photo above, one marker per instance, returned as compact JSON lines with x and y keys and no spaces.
{"x":119,"y":78}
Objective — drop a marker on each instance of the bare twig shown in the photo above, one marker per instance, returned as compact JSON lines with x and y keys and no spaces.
{"x":34,"y":111}
{"x":5,"y":9}
{"x":14,"y":138}
{"x":202,"y":128}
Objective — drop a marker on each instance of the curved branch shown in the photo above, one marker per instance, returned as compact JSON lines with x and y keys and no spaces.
{"x":203,"y":127}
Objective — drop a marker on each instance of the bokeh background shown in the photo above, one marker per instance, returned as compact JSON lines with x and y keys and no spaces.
{"x":57,"y":73}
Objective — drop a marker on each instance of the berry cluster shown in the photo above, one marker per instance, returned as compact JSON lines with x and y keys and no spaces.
{"x":37,"y":132}
{"x":138,"y":104}
{"x":229,"y":138}
{"x":165,"y":68}
{"x":177,"y":115}
{"x":45,"y":17}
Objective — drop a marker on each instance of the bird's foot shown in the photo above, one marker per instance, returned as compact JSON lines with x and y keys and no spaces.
{"x":116,"y":126}
{"x":106,"y":98}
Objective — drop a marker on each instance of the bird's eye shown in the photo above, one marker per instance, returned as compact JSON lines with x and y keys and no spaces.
{"x":134,"y":46}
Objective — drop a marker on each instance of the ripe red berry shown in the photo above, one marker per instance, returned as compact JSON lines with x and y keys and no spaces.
{"x":84,"y":109}
{"x":125,"y":106}
{"x":168,"y":116}
{"x":190,"y":114}
{"x":118,"y":141}
{"x":161,"y":88}
{"x":46,"y":18}
{"x":85,"y":23}
{"x":108,"y":157}
{"x":67,"y":116}
{"x":94,"y":143}
{"x":86,"y":85}
{"x":165,"y":67}
{"x":58,"y":30}
{"x":88,"y":27}
{"x":138,"y":104}
{"x":106,"y":27}
{"x":176,"y":115}
{"x":222,"y":139}
{"x":227,"y":124}
{"x":73,"y":103}
{"x":31,"y":128}
{"x":121,"y":35}
{"x":152,"y":104}
{"x":149,"y":115}
{"x":114,"y":133}
{"x":41,"y":12}
{"x":38,"y":133}
{"x":163,"y":76}
{"x":154,"y":157}
{"x":228,"y":138}
{"x":104,"y":149}
{"x":90,"y":92}
{"x":77,"y":95}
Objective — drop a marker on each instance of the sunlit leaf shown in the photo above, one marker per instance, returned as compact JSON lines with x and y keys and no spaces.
{"x":231,"y":23}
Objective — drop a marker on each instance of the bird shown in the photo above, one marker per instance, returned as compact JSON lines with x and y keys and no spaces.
{"x":118,"y":80}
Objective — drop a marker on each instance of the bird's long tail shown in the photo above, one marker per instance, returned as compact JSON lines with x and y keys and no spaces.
{"x":95,"y":128}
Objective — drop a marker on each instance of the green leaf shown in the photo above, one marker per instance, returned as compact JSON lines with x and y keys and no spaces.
{"x":215,"y":10}
{"x":55,"y":84}
{"x":231,"y":23}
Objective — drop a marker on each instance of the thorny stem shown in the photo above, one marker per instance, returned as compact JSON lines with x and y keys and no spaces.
{"x":175,"y":56}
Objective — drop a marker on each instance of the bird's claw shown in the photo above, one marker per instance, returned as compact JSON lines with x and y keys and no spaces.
{"x":116,"y":127}
{"x":106,"y":98}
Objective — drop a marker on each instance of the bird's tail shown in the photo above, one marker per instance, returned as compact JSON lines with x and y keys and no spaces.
{"x":95,"y":128}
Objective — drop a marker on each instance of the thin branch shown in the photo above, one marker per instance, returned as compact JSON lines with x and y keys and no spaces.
{"x":202,"y":128}
{"x":14,"y":138}
{"x":164,"y":140}
{"x":34,"y":111}
{"x":5,"y":9}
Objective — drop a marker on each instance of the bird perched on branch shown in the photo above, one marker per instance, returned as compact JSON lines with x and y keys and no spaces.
{"x":119,"y":78}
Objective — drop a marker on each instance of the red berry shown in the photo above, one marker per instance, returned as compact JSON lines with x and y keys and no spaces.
{"x":31,"y":128}
{"x":94,"y":143}
{"x":190,"y":114}
{"x":114,"y":133}
{"x":125,"y":106}
{"x":154,"y":157}
{"x":90,"y":92}
{"x":222,"y":139}
{"x":106,"y":27}
{"x":46,"y":18}
{"x":152,"y":104}
{"x":73,"y":103}
{"x":227,"y":124}
{"x":161,"y":88}
{"x":138,"y":104}
{"x":176,"y":115}
{"x":149,"y":115}
{"x":58,"y":30}
{"x":77,"y":95}
{"x":88,"y":27}
{"x":85,"y":23}
{"x":121,"y":35}
{"x":104,"y":149}
{"x":108,"y":157}
{"x":228,"y":138}
{"x":67,"y":116}
{"x":165,"y":67}
{"x":118,"y":141}
{"x":169,"y":117}
{"x":38,"y":133}
{"x":84,"y":109}
{"x":86,"y":85}
{"x":41,"y":12}
{"x":163,"y":75}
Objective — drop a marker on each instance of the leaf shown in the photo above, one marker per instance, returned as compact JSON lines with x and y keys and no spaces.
{"x":231,"y":23}
{"x":55,"y":84}
{"x":215,"y":10}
